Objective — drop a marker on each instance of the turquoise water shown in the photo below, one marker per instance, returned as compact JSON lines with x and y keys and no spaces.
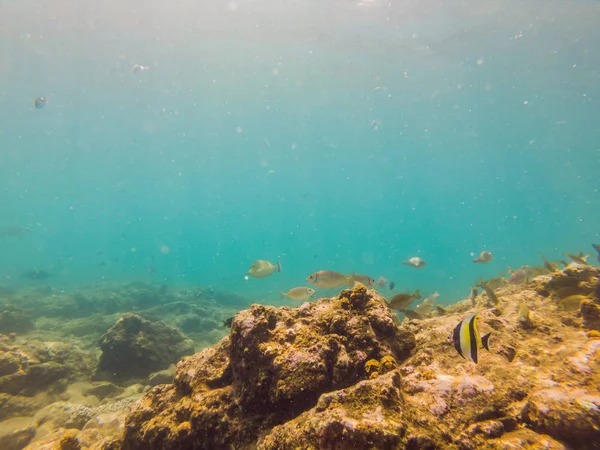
{"x":333,"y":135}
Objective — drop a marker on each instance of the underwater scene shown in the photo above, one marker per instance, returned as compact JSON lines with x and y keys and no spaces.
{"x":300,"y":224}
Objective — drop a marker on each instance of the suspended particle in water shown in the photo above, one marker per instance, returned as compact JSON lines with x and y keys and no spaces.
{"x":164,"y":249}
{"x":239,"y":129}
{"x":246,"y":278}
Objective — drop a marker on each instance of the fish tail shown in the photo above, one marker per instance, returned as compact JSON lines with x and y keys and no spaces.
{"x":596,"y":247}
{"x":278,"y":265}
{"x":281,"y":295}
{"x":485,"y":341}
{"x":417,"y":294}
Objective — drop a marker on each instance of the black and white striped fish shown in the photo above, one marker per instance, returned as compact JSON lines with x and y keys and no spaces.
{"x":467,"y":340}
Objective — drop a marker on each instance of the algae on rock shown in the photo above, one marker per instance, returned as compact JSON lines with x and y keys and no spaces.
{"x":320,"y":377}
{"x":274,"y":366}
{"x":135,"y":347}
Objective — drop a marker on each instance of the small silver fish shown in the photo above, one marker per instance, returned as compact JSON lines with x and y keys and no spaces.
{"x":412,"y":315}
{"x":382,"y":282}
{"x":432,"y":298}
{"x":580,"y":259}
{"x":415,"y":262}
{"x":40,"y":102}
{"x":139,"y":68}
{"x":263,"y":269}
{"x":425,"y":307}
{"x":489,"y":291}
{"x":518,"y":276}
{"x":328,"y":279}
{"x":550,"y":266}
{"x":299,"y":293}
{"x":484,"y":257}
{"x":365,"y":280}
{"x":402,"y":301}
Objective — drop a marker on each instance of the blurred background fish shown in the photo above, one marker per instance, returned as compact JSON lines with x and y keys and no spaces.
{"x":40,"y":102}
{"x":415,"y":262}
{"x":483,"y":258}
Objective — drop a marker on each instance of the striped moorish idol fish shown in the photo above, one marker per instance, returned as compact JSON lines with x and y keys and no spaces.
{"x":467,"y":340}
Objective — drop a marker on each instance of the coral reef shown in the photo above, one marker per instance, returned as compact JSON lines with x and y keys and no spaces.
{"x":274,"y":366}
{"x":135,"y":347}
{"x":29,"y":368}
{"x":339,"y":373}
{"x":332,"y":374}
{"x":15,"y":433}
{"x":47,"y":361}
{"x":13,"y":318}
{"x":86,"y":314}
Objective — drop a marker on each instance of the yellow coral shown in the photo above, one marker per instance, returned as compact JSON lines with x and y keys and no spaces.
{"x":372,"y":366}
{"x":374,"y":375}
{"x":359,"y":297}
{"x":428,"y":374}
{"x":359,"y":289}
{"x":345,"y":303}
{"x":68,"y":441}
{"x":593,"y":334}
{"x":388,"y":363}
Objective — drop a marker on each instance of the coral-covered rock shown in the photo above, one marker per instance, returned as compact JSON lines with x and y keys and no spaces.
{"x":275,"y":365}
{"x":64,"y":415}
{"x":572,"y":416}
{"x":100,"y":431}
{"x":162,"y":377}
{"x":16,"y":433}
{"x":27,"y":368}
{"x":135,"y":347}
{"x":18,"y":405}
{"x":340,"y":373}
{"x":590,"y":314}
{"x":14,"y":319}
{"x":365,"y":416}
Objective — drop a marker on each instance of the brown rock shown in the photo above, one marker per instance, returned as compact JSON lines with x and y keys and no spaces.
{"x":17,"y":405}
{"x":162,"y":377}
{"x":276,"y":364}
{"x":572,"y":416}
{"x":524,"y":438}
{"x":368,"y":415}
{"x":64,"y":415}
{"x":135,"y":347}
{"x":16,"y":433}
{"x":33,"y":366}
{"x":590,"y":314}
{"x":315,"y":377}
